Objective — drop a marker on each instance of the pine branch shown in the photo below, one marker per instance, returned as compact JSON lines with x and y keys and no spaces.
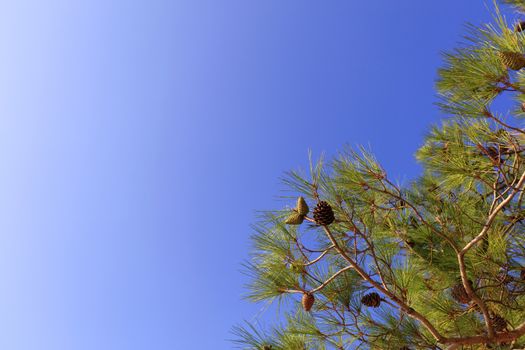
{"x":330,"y":279}
{"x":464,"y":216}
{"x":407,"y":309}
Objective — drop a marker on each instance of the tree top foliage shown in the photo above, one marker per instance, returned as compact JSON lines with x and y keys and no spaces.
{"x":362,"y":262}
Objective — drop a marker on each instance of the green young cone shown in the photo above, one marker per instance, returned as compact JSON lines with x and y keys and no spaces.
{"x":294,"y":219}
{"x":302,"y":207}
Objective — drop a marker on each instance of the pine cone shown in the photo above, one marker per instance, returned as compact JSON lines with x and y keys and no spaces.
{"x":307,"y":301}
{"x":460,"y":294}
{"x":323,"y":214}
{"x":302,"y":207}
{"x":520,"y":26}
{"x":499,"y":323}
{"x":294,"y":219}
{"x":512,"y":60}
{"x":371,"y":300}
{"x":267,"y":347}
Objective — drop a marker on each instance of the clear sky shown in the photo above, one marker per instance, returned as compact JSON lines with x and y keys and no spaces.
{"x":137,"y":139}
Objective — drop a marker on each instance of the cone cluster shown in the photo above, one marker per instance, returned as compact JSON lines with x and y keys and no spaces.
{"x":323,"y":214}
{"x":512,"y":60}
{"x":307,"y":301}
{"x":371,"y":300}
{"x":300,"y":211}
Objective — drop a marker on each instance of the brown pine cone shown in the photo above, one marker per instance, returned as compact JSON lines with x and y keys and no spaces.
{"x":323,"y":214}
{"x":371,"y":300}
{"x":307,"y":301}
{"x":520,"y":26}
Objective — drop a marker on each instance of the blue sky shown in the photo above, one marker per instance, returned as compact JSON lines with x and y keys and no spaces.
{"x":137,"y":139}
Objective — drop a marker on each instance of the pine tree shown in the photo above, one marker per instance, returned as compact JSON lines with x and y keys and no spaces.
{"x":438,"y":263}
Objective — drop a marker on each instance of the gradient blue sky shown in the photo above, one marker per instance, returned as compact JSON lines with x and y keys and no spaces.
{"x":137,"y":138}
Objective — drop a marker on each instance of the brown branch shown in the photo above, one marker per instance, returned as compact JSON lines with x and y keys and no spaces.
{"x":498,"y":338}
{"x":489,"y":115}
{"x":419,"y":215}
{"x":493,"y":215}
{"x":461,"y":255}
{"x":404,"y":307}
{"x":325,"y":283}
{"x":319,"y":257}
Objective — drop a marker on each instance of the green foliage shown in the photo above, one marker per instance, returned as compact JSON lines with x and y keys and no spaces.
{"x":462,"y":220}
{"x":473,"y":74}
{"x":519,"y":4}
